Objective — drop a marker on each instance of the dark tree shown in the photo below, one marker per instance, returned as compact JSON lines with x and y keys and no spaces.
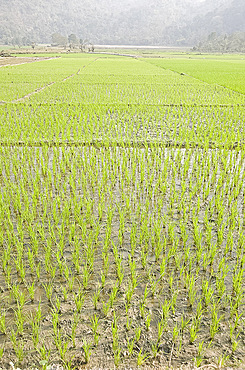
{"x":72,"y":39}
{"x":59,"y":40}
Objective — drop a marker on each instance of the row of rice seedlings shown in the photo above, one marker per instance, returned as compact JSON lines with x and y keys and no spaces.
{"x":143,"y":119}
{"x":156,"y":93}
{"x":81,"y":123}
{"x":149,"y":235}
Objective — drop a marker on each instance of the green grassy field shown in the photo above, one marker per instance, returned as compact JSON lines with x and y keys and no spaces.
{"x":225,"y":70}
{"x":122,"y":213}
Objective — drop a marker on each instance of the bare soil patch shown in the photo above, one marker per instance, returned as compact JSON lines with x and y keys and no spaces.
{"x":7,"y":61}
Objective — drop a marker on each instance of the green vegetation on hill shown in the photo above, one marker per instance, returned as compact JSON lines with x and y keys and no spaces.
{"x":223,"y":43}
{"x":119,"y":22}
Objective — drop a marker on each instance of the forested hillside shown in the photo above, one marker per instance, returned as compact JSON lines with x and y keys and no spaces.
{"x":159,"y":22}
{"x":224,"y":20}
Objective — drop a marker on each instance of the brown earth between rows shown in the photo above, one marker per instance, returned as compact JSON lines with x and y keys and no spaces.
{"x":5,"y":61}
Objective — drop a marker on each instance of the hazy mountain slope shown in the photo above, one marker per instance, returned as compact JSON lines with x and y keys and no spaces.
{"x":227,"y":18}
{"x":115,"y":21}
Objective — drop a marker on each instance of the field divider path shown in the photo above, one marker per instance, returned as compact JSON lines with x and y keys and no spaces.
{"x":42,"y":88}
{"x":122,"y":144}
{"x":131,"y":104}
{"x":23,"y":98}
{"x":68,"y":77}
{"x":117,"y":54}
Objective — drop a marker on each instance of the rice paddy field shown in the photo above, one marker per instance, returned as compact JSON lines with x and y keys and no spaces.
{"x":122,"y":213}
